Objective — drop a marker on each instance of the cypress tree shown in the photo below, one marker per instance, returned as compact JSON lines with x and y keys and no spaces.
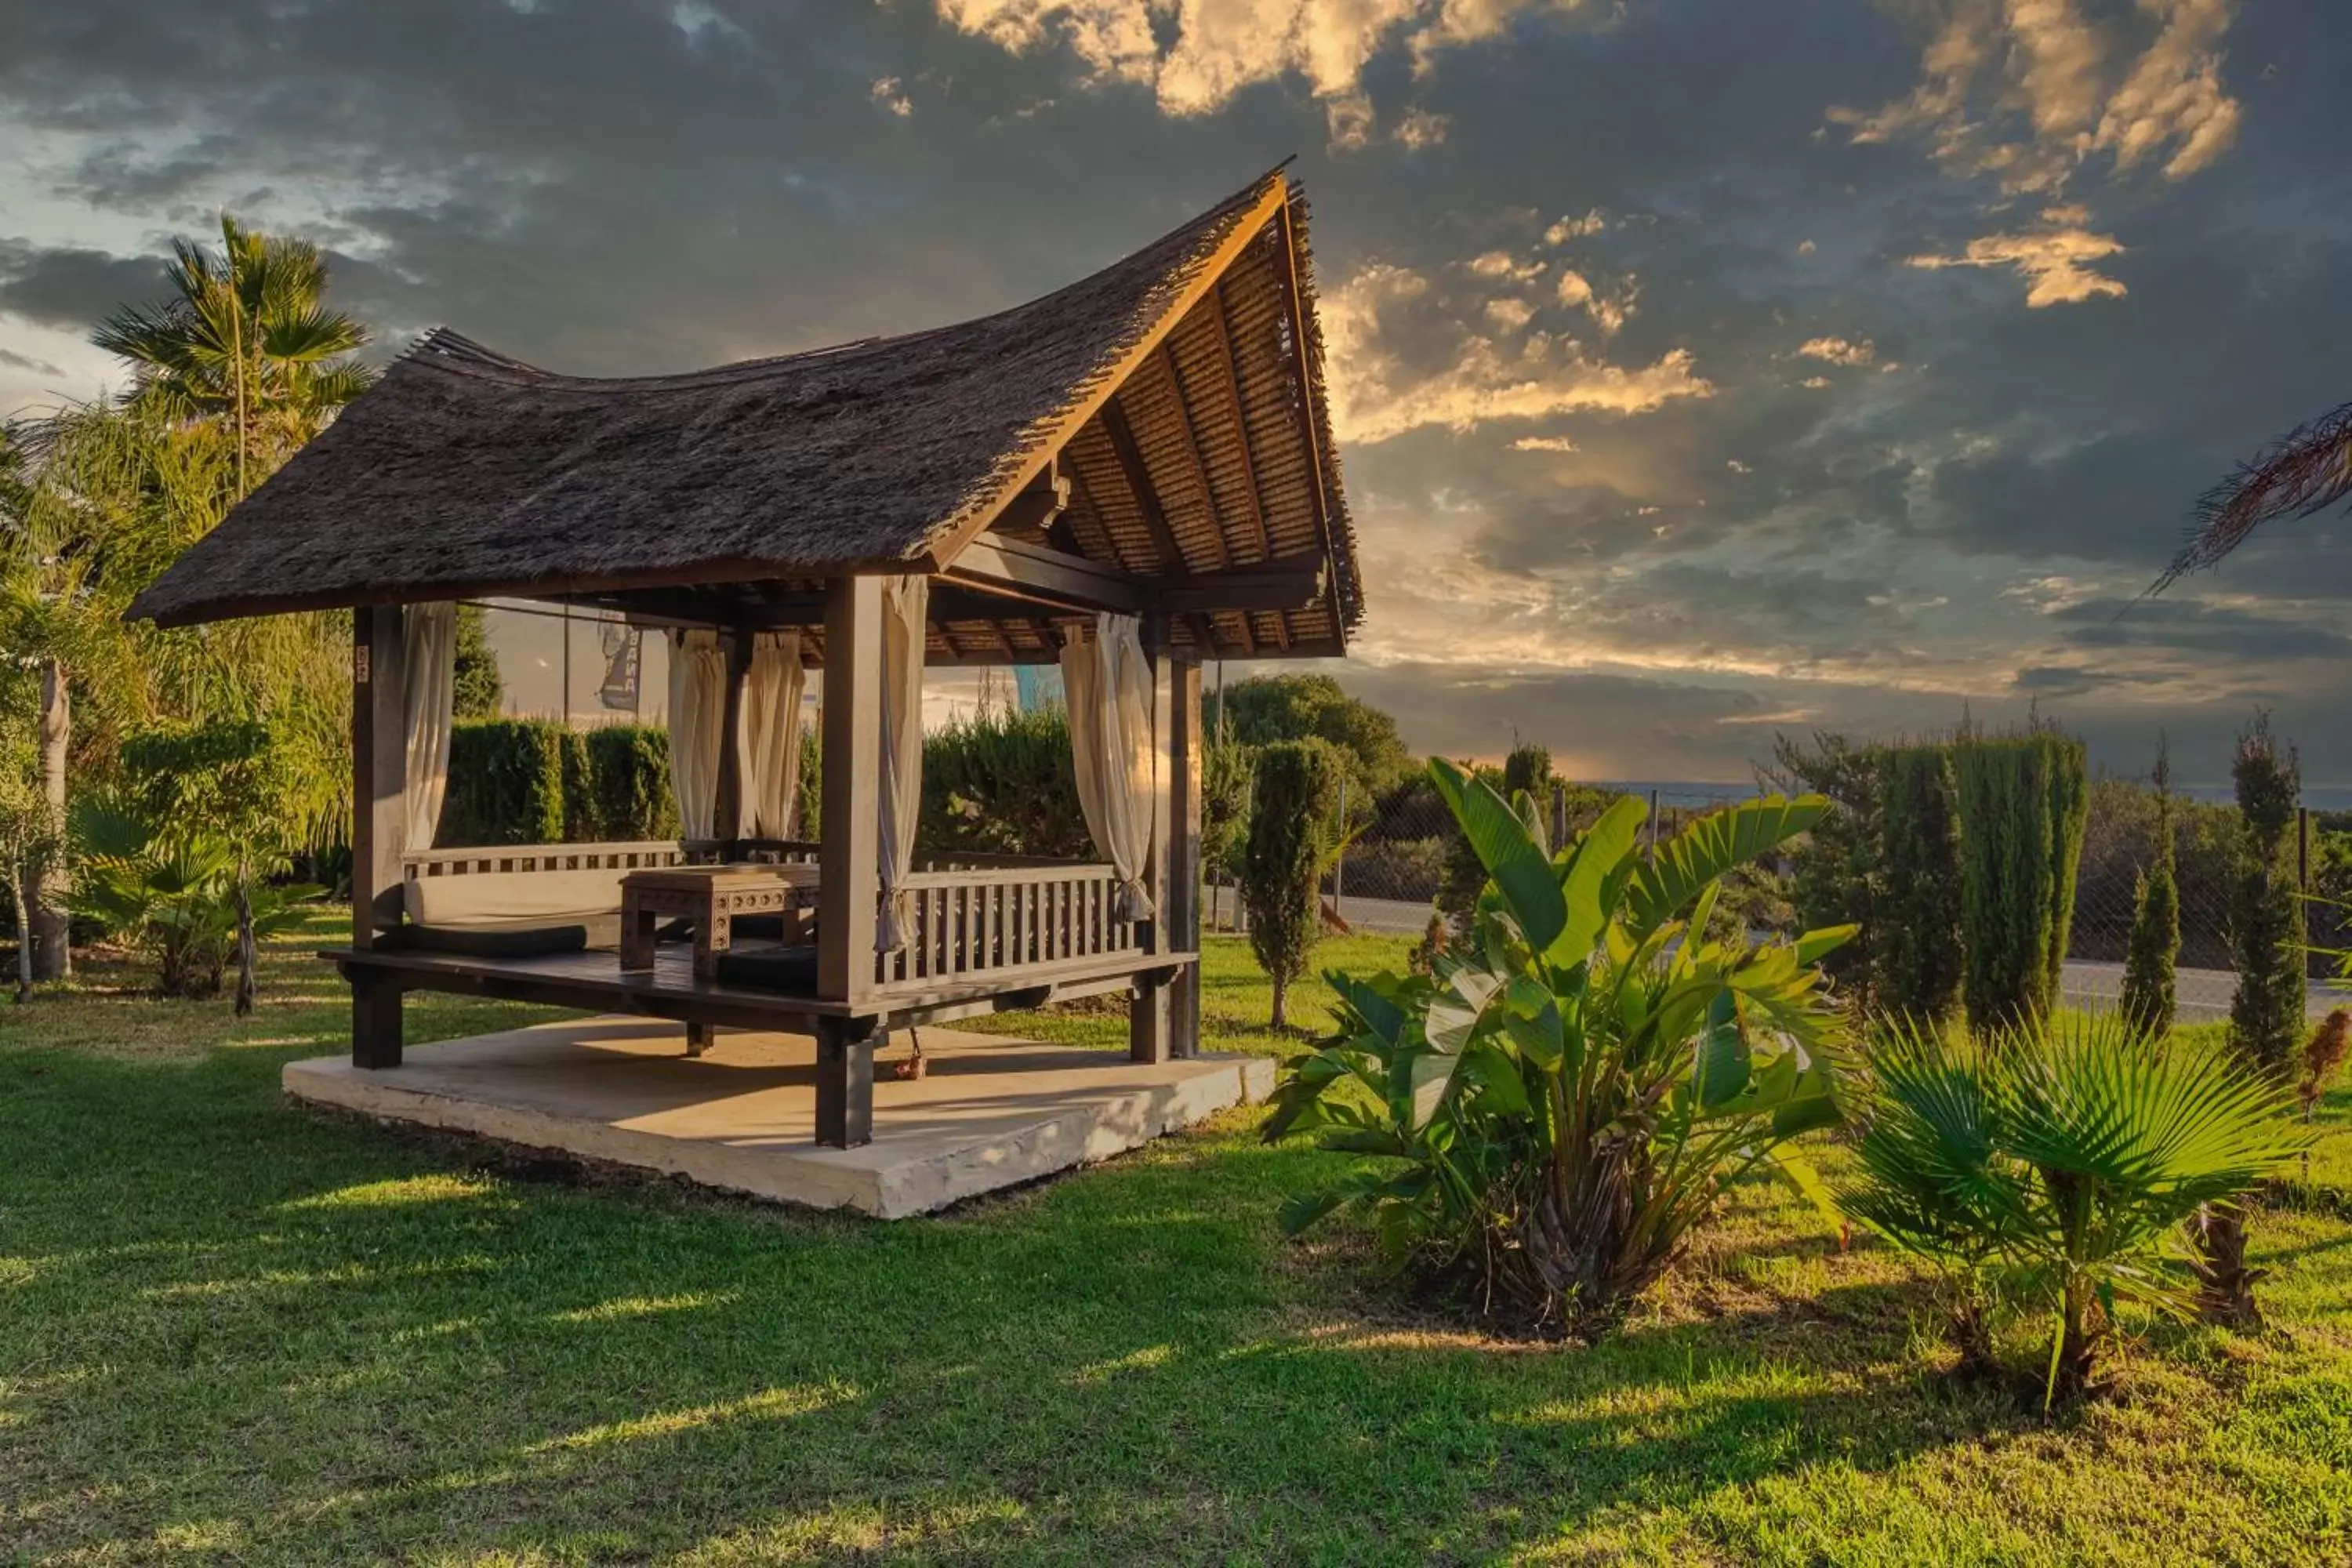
{"x":2024,"y":803}
{"x":2266,"y":927}
{"x":2147,"y":999}
{"x":2266,"y":941}
{"x":1282,"y":864}
{"x":1920,"y":955}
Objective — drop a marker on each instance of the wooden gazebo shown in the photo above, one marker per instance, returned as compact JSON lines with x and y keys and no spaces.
{"x":1150,"y":442}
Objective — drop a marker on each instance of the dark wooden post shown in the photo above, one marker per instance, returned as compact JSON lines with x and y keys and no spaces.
{"x":379,"y":821}
{"x":727,"y":816}
{"x":849,"y":854}
{"x":1149,"y":1037}
{"x":1180,"y":913}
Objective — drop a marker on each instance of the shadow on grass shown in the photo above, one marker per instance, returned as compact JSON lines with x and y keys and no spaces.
{"x":231,"y":1323}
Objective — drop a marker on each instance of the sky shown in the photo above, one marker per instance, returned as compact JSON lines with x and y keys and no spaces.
{"x":1702,"y":371}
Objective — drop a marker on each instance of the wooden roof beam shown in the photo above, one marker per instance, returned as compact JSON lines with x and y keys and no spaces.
{"x":1147,"y":498}
{"x":1167,"y":357}
{"x":1216,"y":308}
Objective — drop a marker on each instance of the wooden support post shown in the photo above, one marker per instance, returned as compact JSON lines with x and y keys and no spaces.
{"x":727,"y":818}
{"x":845,"y":1082}
{"x":379,"y":818}
{"x":1180,"y":914}
{"x":1148,"y":1036}
{"x":850,"y":840}
{"x":698,"y":1037}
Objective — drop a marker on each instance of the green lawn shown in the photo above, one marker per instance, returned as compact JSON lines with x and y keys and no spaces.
{"x":233,"y":1330}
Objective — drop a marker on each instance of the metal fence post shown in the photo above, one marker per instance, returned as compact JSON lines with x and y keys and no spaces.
{"x":1559,"y":817}
{"x":1339,"y":854}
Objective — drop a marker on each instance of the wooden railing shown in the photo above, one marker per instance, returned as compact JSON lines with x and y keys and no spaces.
{"x":480,"y":859}
{"x":985,"y":922}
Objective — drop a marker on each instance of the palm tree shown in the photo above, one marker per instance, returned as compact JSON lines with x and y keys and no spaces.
{"x":247,"y":339}
{"x":2304,"y":472}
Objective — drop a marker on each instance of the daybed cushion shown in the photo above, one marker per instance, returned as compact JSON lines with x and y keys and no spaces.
{"x":502,"y":941}
{"x":790,"y":970}
{"x":529,"y":898}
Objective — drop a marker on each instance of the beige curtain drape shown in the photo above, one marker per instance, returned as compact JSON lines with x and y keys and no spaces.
{"x":768,"y":736}
{"x":1106,"y":683}
{"x":698,"y":711}
{"x":905,"y":608}
{"x":429,"y":669}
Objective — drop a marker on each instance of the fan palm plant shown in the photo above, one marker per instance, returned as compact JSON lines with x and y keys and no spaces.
{"x":2058,"y":1167}
{"x":247,"y":340}
{"x":175,"y":892}
{"x":1563,"y":1102}
{"x":2302,"y":473}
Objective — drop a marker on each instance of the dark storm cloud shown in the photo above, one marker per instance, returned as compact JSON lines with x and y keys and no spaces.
{"x":624,"y":185}
{"x":27,"y":361}
{"x":70,"y":288}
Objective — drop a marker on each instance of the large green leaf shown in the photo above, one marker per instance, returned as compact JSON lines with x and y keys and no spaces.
{"x":1712,"y":845}
{"x":1721,"y":1070}
{"x":1597,"y":868}
{"x":1513,"y":857}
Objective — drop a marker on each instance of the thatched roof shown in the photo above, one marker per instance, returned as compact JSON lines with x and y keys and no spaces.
{"x":1173,"y":391}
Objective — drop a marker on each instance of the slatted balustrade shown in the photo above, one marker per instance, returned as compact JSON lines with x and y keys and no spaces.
{"x":486,"y":860}
{"x":973,"y":920}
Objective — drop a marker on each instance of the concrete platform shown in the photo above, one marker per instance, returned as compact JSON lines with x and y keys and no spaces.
{"x":991,"y":1112}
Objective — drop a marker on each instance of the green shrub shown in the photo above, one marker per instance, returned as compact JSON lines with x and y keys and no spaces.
{"x":1003,"y":784}
{"x":629,"y":784}
{"x":2148,"y":1003}
{"x":1834,"y":882}
{"x":2023,"y":801}
{"x":1920,"y":957}
{"x":2266,"y":924}
{"x":581,"y":823}
{"x":478,"y":692}
{"x":1290,"y":844}
{"x":1226,"y":767}
{"x":2054,"y":1169}
{"x":1562,"y":1100}
{"x":506,"y":784}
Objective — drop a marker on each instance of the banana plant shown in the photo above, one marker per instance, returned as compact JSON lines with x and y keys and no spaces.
{"x":1558,"y":1107}
{"x":2057,"y":1167}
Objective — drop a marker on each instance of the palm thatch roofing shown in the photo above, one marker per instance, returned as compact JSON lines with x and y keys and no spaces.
{"x":1171,"y":404}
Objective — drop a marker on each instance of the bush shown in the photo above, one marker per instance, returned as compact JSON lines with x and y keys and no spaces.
{"x":1833,"y":881}
{"x":2266,"y":925}
{"x":580,"y":821}
{"x":2052,"y":1169}
{"x":477,"y":691}
{"x":1290,"y":843}
{"x":1003,"y":784}
{"x":1226,"y":768}
{"x":1920,"y":958}
{"x":1558,"y":1104}
{"x":2023,"y":801}
{"x":629,"y":783}
{"x":2149,"y":1002}
{"x":171,"y":889}
{"x":2118,"y":839}
{"x":506,"y":779}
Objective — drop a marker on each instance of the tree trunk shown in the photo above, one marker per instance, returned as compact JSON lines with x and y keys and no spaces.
{"x":51,"y":926}
{"x":246,"y":986}
{"x":1281,"y":990}
{"x":16,"y":875}
{"x":2228,"y":1292}
{"x":2079,"y":1341}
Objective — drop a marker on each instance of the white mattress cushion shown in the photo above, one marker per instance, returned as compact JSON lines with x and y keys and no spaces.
{"x":541,"y":898}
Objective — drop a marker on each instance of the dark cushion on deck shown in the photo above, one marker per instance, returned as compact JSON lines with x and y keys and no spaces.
{"x":495,"y":941}
{"x":792,"y":970}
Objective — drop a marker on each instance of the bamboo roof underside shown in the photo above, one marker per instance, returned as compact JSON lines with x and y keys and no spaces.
{"x":1163,"y":423}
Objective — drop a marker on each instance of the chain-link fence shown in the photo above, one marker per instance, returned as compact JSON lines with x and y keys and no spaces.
{"x":1404,"y":859}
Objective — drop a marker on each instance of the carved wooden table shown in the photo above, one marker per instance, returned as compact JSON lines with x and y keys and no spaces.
{"x":711,"y":897}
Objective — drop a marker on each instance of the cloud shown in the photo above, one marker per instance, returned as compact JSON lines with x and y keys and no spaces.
{"x":1566,"y":228}
{"x":72,"y":286}
{"x":1196,"y":57}
{"x":15,"y":361}
{"x":2057,"y":262}
{"x":2025,"y":92}
{"x":1543,"y":444}
{"x":1501,"y":264}
{"x":1839,"y":350}
{"x":888,"y":94}
{"x":1609,"y":311}
{"x":1400,"y":360}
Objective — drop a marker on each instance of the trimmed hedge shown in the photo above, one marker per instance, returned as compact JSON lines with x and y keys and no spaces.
{"x":506,"y":779}
{"x":2023,"y":800}
{"x":1920,"y":954}
{"x":628,"y":783}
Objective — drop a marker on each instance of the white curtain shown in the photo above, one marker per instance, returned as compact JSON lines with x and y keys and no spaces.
{"x":1107,"y":686}
{"x":905,"y":607}
{"x":698,"y":711}
{"x":428,"y":670}
{"x":768,"y":735}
